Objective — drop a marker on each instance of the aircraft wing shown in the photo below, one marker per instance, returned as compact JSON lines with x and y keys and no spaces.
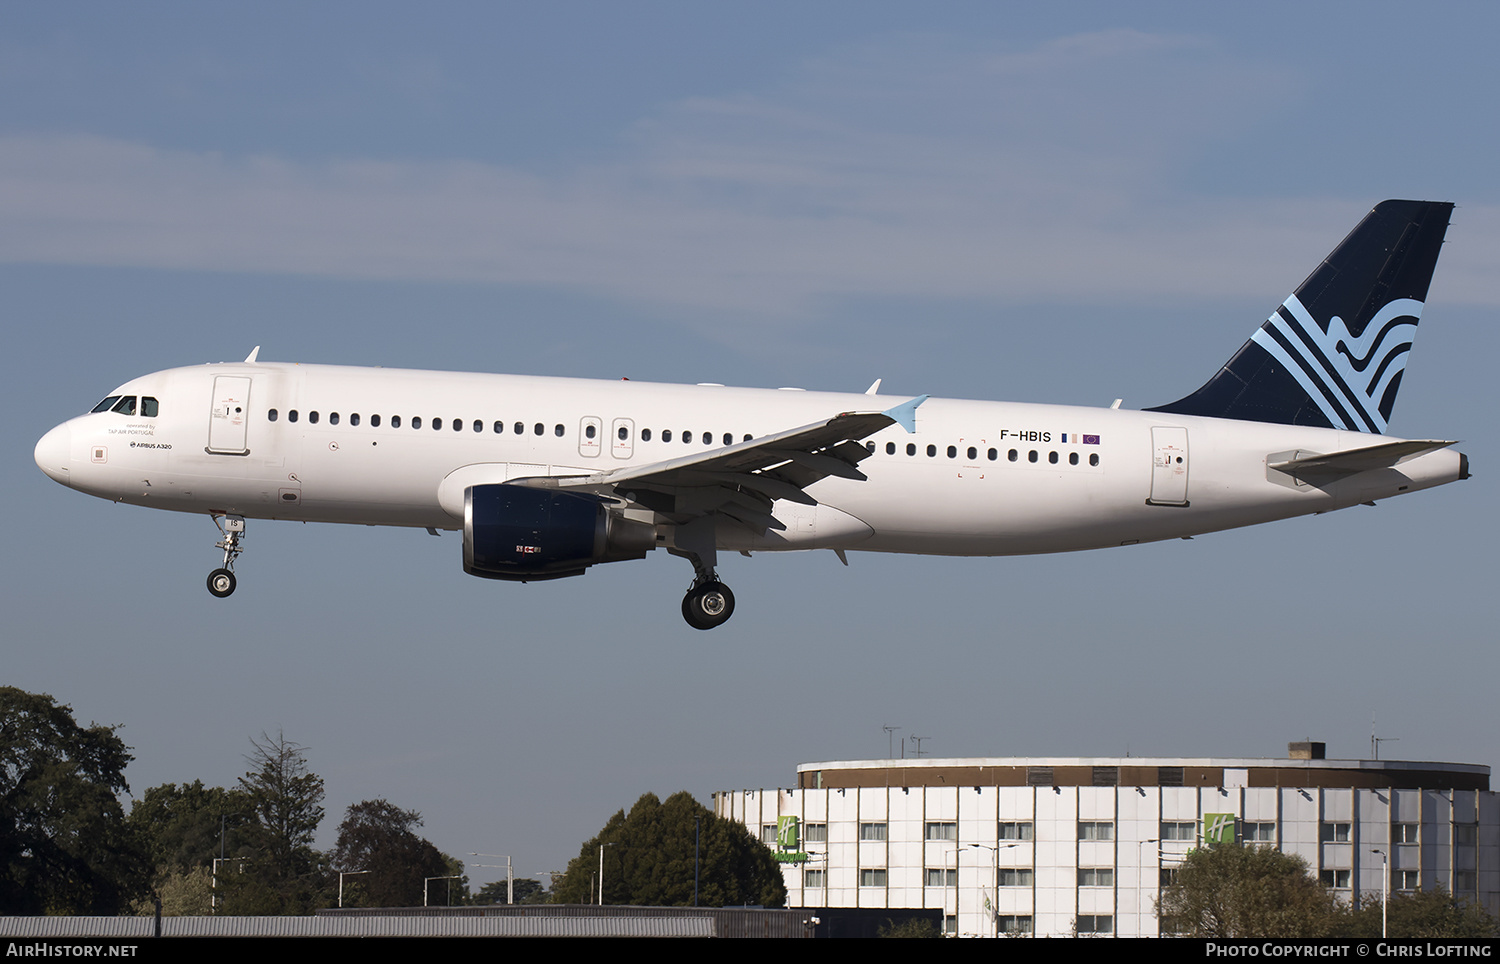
{"x":745,"y":479}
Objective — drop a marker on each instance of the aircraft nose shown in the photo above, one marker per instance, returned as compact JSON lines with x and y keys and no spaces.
{"x":52,"y":453}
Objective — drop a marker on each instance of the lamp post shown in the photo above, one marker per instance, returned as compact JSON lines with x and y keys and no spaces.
{"x":601,"y":871}
{"x":1385,"y":887}
{"x":510,"y":880}
{"x":342,"y":875}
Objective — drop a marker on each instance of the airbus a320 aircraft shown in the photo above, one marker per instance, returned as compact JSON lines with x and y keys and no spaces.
{"x":546,"y":477}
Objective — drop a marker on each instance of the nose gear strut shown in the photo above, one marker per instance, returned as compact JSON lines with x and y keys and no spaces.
{"x":221,"y":582}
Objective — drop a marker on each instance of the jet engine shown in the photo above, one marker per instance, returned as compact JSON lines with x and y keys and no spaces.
{"x":522,"y":534}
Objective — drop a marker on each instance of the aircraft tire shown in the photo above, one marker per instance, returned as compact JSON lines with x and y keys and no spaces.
{"x":708,"y":605}
{"x":221,"y":582}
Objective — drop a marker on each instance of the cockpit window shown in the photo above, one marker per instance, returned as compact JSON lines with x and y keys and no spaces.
{"x":105,"y":405}
{"x":148,"y":406}
{"x":125,"y":406}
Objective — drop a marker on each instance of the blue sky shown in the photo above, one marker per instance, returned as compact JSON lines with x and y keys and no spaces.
{"x":973,"y":200}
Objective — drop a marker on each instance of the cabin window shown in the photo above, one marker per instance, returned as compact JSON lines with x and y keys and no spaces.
{"x":105,"y":405}
{"x":416,"y":421}
{"x":666,"y":435}
{"x":890,"y":448}
{"x":499,"y":428}
{"x":312,"y":417}
{"x":687,"y":438}
{"x":271,"y":415}
{"x":437,"y":424}
{"x":589,"y":431}
{"x":375,"y":421}
{"x":708,"y":438}
{"x":645,"y":435}
{"x":870,"y":447}
{"x":973,"y":453}
{"x":994,"y":455}
{"x":1013,"y":455}
{"x":292,"y":415}
{"x":395,"y":421}
{"x":931,"y":451}
{"x":558,"y":430}
{"x":538,"y":428}
{"x":1052,"y":457}
{"x":148,"y":406}
{"x":333,"y":418}
{"x":520,"y":428}
{"x":1094,"y":459}
{"x":458,"y":425}
{"x":911,"y":448}
{"x":478,"y":426}
{"x":1031,"y":456}
{"x":624,"y":433}
{"x":748,"y":436}
{"x":953,"y":451}
{"x":729,"y":439}
{"x":354,"y":418}
{"x":1072,"y":458}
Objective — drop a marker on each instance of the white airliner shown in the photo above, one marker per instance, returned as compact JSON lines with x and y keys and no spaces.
{"x":548,"y":476}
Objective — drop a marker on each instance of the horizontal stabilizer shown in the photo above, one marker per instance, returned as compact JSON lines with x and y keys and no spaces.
{"x":1359,"y":460}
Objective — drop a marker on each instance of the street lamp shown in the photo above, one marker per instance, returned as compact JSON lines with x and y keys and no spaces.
{"x":510,"y":880}
{"x":342,"y":875}
{"x":1385,"y":886}
{"x":601,"y":871}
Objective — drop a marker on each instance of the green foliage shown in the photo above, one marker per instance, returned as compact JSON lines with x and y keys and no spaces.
{"x":180,"y":827}
{"x":649,"y":860}
{"x":379,"y":837}
{"x":64,"y":844}
{"x":1233,"y":891}
{"x":527,"y":891}
{"x":911,"y":927}
{"x":283,"y":874}
{"x":1426,"y":914}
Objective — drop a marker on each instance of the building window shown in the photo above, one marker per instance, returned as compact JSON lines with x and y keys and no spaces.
{"x":1096,"y":877}
{"x":950,"y":924}
{"x":1168,"y":776}
{"x":1403,"y":833}
{"x":1406,"y":880}
{"x":814,"y":878}
{"x":1039,"y":776}
{"x":1015,"y":876}
{"x":942,"y":831}
{"x":1179,"y":830}
{"x":1019,"y":830}
{"x":1096,"y":830}
{"x":1096,"y":924}
{"x":938,"y":877}
{"x":1106,"y":776}
{"x":872,"y":877}
{"x":1464,"y":881}
{"x":1167,"y":877}
{"x":1258,"y":833}
{"x":1014,"y":924}
{"x":1465,"y":834}
{"x":1337,"y":879}
{"x":872,"y":831}
{"x":768,"y":835}
{"x":815,"y":833}
{"x":1335,"y":833}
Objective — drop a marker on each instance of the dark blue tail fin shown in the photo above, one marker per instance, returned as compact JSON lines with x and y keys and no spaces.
{"x":1332,"y":355}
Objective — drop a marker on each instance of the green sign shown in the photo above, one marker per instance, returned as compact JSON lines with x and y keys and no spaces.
{"x":1218,"y":828}
{"x":788,"y":835}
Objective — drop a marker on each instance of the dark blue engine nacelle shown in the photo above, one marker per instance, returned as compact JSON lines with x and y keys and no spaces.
{"x":523,"y":534}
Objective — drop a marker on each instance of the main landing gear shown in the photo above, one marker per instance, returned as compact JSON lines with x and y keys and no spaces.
{"x":709,"y":603}
{"x":221,"y":582}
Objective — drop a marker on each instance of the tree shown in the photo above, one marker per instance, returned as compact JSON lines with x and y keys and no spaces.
{"x":526,"y":891}
{"x":649,"y":859}
{"x":1234,"y":891}
{"x":1429,"y":913}
{"x":379,"y":837}
{"x":283,"y":874}
{"x":64,"y":844}
{"x":181,"y":829}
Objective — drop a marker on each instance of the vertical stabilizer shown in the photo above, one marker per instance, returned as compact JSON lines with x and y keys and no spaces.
{"x":1333,"y":353}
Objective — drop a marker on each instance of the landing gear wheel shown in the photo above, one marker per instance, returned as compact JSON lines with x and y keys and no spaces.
{"x":221,"y":582}
{"x":708,"y":605}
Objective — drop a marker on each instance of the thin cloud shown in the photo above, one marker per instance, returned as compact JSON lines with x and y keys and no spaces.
{"x":921,"y":170}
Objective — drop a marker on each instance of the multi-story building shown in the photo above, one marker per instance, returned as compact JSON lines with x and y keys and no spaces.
{"x":1063,"y":846}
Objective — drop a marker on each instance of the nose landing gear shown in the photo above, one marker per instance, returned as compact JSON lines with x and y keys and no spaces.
{"x":221,"y":582}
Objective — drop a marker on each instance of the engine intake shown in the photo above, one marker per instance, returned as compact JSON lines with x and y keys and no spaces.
{"x":522,"y":534}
